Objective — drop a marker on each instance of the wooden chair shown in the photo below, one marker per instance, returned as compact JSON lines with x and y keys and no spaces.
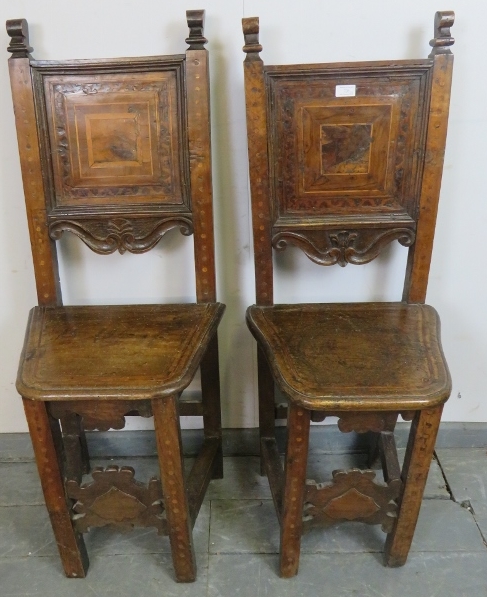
{"x":344,"y":159}
{"x":117,"y":151}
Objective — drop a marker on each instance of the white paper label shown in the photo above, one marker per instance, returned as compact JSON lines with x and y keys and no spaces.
{"x":345,"y":90}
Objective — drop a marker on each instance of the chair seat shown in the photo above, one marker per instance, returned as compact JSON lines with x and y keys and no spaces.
{"x":359,"y":356}
{"x":114,"y":352}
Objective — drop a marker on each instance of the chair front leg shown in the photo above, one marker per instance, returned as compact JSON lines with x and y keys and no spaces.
{"x":419,"y":452}
{"x":298,"y":423}
{"x":46,"y":441}
{"x":170,"y":451}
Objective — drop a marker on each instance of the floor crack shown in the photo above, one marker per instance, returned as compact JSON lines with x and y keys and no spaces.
{"x":464,"y":503}
{"x":447,"y":485}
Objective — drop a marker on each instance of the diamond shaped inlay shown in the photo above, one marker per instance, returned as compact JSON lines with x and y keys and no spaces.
{"x":127,"y":506}
{"x":115,"y":498}
{"x":351,"y":495}
{"x":351,"y":505}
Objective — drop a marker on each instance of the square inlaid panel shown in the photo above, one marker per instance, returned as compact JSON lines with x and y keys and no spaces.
{"x":114,"y":138}
{"x":335,"y":156}
{"x":345,"y":147}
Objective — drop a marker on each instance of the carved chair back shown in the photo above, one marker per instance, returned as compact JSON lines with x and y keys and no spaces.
{"x":345,"y":158}
{"x":116,"y":151}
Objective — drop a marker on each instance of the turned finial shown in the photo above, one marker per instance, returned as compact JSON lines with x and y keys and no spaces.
{"x":444,"y":19}
{"x":196,"y":24}
{"x":250,"y":27}
{"x":18,"y":30}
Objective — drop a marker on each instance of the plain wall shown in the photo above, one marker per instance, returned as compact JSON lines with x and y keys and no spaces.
{"x":291,"y":32}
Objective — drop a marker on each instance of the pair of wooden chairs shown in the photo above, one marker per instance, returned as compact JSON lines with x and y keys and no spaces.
{"x":344,"y":159}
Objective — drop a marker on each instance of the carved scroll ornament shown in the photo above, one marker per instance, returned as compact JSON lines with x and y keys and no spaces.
{"x":343,"y":246}
{"x":108,"y":236}
{"x":352,"y":495}
{"x":250,"y":26}
{"x":18,"y":31}
{"x":115,"y":498}
{"x":196,"y":24}
{"x":442,"y":36}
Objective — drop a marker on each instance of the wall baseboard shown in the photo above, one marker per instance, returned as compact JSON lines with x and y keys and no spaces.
{"x":16,"y":447}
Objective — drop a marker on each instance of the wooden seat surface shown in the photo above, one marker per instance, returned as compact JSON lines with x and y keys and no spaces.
{"x":114,"y":352}
{"x":359,"y":356}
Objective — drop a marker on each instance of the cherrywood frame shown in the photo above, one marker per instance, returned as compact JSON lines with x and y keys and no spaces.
{"x":56,"y":427}
{"x":342,"y":237}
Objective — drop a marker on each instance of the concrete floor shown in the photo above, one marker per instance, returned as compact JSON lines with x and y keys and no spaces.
{"x":236,"y":540}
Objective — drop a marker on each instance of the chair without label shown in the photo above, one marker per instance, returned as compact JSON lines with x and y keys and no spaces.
{"x":344,"y":159}
{"x":117,"y":152}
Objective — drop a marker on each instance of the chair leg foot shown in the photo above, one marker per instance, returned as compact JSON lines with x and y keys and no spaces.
{"x":169,"y":448}
{"x":294,"y":486}
{"x":46,"y":441}
{"x":419,"y":453}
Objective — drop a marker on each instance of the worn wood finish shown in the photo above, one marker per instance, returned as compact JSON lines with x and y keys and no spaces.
{"x":360,"y":422}
{"x":43,"y":434}
{"x":417,"y":461}
{"x":100,"y":415}
{"x":352,"y":495}
{"x":117,"y":131}
{"x":199,"y":139}
{"x":336,"y":191}
{"x":419,"y":258}
{"x":255,"y":100}
{"x":178,"y":516}
{"x":340,"y":176}
{"x":261,"y":209}
{"x":43,"y":248}
{"x":114,"y":352}
{"x":114,"y":498}
{"x":197,"y":81}
{"x":342,"y":246}
{"x":329,"y":171}
{"x":294,"y":489}
{"x":404,"y":369}
{"x":118,"y":152}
